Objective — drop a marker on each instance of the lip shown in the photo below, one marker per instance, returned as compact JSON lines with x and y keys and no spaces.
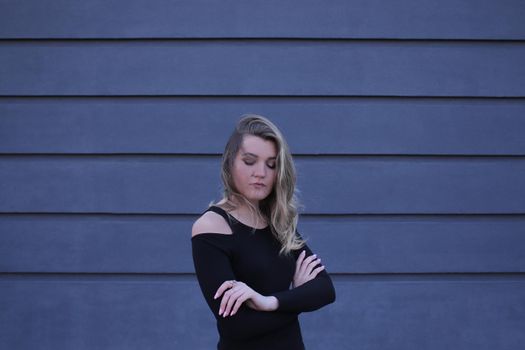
{"x":258,"y":185}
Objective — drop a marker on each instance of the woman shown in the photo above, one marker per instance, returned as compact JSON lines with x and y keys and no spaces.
{"x":247,"y":251}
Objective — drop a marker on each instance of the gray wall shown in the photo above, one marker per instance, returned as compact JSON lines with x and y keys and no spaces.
{"x":406,"y":120}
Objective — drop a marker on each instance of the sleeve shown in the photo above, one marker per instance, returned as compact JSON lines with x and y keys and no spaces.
{"x":309,"y":296}
{"x":212,"y":266}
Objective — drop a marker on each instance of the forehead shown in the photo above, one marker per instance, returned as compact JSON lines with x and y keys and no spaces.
{"x":258,"y":146}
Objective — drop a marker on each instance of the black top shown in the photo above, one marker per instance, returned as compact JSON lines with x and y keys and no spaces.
{"x":252,"y":256}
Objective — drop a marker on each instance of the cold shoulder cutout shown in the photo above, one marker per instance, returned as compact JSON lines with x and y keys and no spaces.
{"x":211,"y":223}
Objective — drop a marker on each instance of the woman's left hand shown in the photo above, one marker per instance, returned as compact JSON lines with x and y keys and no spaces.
{"x":236,"y":293}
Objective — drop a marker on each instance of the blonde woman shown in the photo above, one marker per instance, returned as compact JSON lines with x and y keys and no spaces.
{"x":254,"y":269}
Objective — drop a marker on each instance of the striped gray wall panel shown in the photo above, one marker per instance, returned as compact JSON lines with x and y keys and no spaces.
{"x":405,"y":118}
{"x":347,"y":244}
{"x":331,"y":185}
{"x":104,"y":313}
{"x":195,"y":125}
{"x":262,"y":67}
{"x":131,"y":312}
{"x":402,"y":19}
{"x":432,"y":314}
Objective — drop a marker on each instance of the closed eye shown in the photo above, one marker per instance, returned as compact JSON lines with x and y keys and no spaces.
{"x":271,"y":164}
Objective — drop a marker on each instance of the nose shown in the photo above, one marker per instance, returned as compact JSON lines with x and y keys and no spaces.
{"x":260,"y":170}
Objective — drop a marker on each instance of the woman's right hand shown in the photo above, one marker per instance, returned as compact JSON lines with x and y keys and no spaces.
{"x":235,"y":293}
{"x":305,"y":269}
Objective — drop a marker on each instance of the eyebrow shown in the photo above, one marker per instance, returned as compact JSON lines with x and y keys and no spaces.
{"x":256,"y":156}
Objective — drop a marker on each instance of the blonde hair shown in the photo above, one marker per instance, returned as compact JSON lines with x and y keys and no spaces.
{"x":280,"y":207}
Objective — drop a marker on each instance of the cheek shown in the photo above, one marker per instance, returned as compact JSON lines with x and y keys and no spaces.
{"x":274,"y":178}
{"x":240,"y":174}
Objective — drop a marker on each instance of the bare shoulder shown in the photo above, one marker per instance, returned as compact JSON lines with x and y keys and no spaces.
{"x":210,"y":222}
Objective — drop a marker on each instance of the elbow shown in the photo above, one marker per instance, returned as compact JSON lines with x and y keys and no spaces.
{"x":331,"y":295}
{"x":325,"y":298}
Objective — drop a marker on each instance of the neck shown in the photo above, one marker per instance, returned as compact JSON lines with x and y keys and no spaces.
{"x":244,"y":213}
{"x":241,"y":205}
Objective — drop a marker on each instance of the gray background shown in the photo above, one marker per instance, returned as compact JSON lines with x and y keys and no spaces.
{"x":406,"y":120}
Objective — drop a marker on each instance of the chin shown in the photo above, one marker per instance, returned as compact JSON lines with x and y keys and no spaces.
{"x":259,"y":197}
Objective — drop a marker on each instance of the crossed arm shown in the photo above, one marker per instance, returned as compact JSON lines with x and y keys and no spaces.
{"x":235,"y":293}
{"x":312,"y":289}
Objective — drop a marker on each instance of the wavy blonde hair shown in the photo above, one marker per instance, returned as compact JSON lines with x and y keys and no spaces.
{"x":280,"y":207}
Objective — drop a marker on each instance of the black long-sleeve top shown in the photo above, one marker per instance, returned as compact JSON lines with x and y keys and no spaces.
{"x":253,"y":258}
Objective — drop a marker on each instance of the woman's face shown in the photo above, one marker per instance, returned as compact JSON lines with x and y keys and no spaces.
{"x":254,"y":168}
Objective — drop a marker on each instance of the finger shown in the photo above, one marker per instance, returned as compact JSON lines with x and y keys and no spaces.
{"x":313,"y":274}
{"x":223,"y":287}
{"x":306,"y":259}
{"x":238,"y":303}
{"x":309,"y":268}
{"x":300,"y":258}
{"x":306,"y":262}
{"x":316,"y":271}
{"x":315,"y":262}
{"x":309,"y":259}
{"x":312,"y":265}
{"x":231,"y":302}
{"x":224,"y":301}
{"x":223,"y":304}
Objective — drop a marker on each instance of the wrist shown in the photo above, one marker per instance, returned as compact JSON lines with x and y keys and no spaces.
{"x":272,"y":303}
